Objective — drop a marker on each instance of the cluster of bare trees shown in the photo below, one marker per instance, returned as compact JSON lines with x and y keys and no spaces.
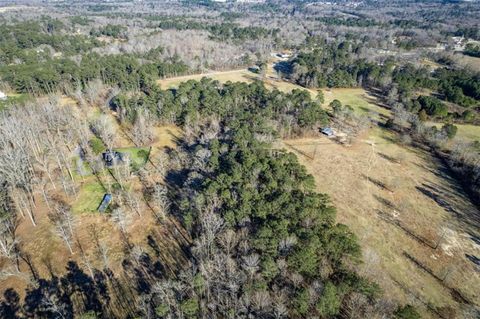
{"x":36,"y":146}
{"x":194,"y":47}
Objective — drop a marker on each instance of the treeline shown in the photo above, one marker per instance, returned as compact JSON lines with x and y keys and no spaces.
{"x":109,"y":30}
{"x":364,"y":22}
{"x":457,"y":86}
{"x":334,"y":65}
{"x":468,"y":32}
{"x":122,"y":70}
{"x":292,"y":112}
{"x":349,"y":22}
{"x":222,"y":31}
{"x":472,"y":50}
{"x":20,"y":42}
{"x":338,"y":65}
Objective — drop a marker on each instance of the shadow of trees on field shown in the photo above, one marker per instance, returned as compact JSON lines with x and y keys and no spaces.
{"x":389,"y":158}
{"x":467,"y":214}
{"x":102,"y":292}
{"x":474,"y":259}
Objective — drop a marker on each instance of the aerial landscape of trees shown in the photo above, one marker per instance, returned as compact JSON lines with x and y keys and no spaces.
{"x":154,"y":158}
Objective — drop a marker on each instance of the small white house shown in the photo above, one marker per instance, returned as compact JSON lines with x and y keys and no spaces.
{"x":3,"y":96}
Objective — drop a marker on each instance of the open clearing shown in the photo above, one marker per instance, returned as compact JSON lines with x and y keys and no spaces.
{"x":400,"y":200}
{"x":465,"y":132}
{"x":270,"y":80}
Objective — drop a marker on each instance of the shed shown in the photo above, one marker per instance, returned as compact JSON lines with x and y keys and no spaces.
{"x":328,"y":131}
{"x":283,"y":55}
{"x":107,"y":199}
{"x":112,"y":158}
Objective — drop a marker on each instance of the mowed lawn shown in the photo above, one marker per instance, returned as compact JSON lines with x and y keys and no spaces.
{"x":89,"y":196}
{"x":359,"y":99}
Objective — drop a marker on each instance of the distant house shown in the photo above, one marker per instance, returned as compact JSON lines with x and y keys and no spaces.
{"x":284,"y":55}
{"x":254,"y":69}
{"x":107,"y":199}
{"x":3,"y":96}
{"x":328,"y":131}
{"x":112,"y":158}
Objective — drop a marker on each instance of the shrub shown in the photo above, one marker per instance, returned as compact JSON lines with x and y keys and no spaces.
{"x":433,"y":106}
{"x":97,"y":145}
{"x":468,"y":116}
{"x":422,"y":115}
{"x":450,"y":130}
{"x":190,"y":307}
{"x":143,"y":154}
{"x":407,"y":312}
{"x":162,"y":310}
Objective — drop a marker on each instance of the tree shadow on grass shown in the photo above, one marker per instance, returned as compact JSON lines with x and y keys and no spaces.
{"x":60,"y":297}
{"x":10,"y":306}
{"x":474,"y":259}
{"x":467,"y":214}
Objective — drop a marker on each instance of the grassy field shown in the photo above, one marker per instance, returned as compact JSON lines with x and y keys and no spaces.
{"x":89,"y":197}
{"x":465,"y":132}
{"x":359,"y":99}
{"x":138,"y":155}
{"x":14,"y":98}
{"x":468,"y":132}
{"x":399,"y":200}
{"x":468,"y":62}
{"x":243,"y":75}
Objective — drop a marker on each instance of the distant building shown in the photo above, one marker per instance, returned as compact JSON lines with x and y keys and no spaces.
{"x":284,"y":55}
{"x":3,"y":96}
{"x":328,"y":131}
{"x":107,"y":199}
{"x":254,"y":69}
{"x":112,"y":158}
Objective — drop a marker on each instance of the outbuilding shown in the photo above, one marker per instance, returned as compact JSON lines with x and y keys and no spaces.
{"x":107,"y":199}
{"x":328,"y":131}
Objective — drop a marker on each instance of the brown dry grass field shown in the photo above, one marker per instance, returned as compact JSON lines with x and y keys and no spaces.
{"x":271,"y":80}
{"x":468,"y":62}
{"x":400,"y":200}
